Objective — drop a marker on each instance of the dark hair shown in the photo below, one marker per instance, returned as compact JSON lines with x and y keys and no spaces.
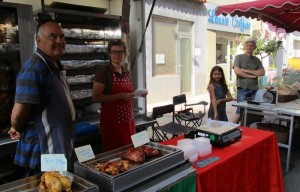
{"x":222,"y":80}
{"x":42,"y":22}
{"x":43,"y":17}
{"x":116,"y":42}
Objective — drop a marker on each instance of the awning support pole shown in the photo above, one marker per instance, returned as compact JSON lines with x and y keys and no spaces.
{"x":143,"y":37}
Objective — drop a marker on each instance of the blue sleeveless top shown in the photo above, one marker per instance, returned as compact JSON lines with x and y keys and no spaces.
{"x":219,"y":94}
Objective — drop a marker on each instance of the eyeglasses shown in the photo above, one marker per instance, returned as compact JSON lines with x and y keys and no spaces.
{"x":117,"y":52}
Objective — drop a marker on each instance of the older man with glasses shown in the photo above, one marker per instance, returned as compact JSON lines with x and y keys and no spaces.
{"x":247,"y":68}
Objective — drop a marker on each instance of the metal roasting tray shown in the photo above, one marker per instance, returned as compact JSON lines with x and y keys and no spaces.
{"x":167,"y":180}
{"x":138,"y":172}
{"x":31,"y":184}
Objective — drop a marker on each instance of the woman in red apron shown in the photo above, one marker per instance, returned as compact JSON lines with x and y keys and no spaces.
{"x":113,"y":89}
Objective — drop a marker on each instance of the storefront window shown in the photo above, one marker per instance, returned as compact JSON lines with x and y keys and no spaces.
{"x":225,"y":52}
{"x":296,"y":47}
{"x":221,"y":52}
{"x":164,"y":46}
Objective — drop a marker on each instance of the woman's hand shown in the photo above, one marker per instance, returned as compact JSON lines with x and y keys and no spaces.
{"x":126,"y":96}
{"x":14,"y":135}
{"x":144,"y":94}
{"x":216,"y":117}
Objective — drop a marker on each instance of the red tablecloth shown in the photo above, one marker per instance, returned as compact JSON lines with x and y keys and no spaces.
{"x":252,"y":164}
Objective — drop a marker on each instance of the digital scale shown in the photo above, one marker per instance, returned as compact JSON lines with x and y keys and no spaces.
{"x":220,"y":135}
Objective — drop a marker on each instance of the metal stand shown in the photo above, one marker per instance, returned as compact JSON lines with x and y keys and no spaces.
{"x":276,"y":114}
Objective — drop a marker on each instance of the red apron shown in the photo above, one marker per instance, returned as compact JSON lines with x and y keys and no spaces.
{"x":117,"y":118}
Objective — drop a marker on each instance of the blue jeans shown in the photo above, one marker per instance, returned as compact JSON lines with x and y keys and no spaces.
{"x":244,"y":95}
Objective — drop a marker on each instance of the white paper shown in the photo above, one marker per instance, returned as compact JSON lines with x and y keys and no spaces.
{"x":160,"y":58}
{"x":84,"y":153}
{"x":197,"y":51}
{"x":140,"y":138}
{"x":53,"y":162}
{"x":140,"y":92}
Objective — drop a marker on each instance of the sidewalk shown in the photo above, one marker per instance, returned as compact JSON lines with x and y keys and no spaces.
{"x":194,"y":99}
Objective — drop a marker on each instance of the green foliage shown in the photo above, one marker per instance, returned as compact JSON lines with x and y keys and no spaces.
{"x":290,"y":76}
{"x":264,"y":44}
{"x":269,"y":47}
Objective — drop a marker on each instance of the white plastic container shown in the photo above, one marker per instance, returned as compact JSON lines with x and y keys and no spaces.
{"x":188,"y":151}
{"x":205,"y":150}
{"x":201,"y":141}
{"x":183,"y":142}
{"x":193,"y":157}
{"x":202,"y":146}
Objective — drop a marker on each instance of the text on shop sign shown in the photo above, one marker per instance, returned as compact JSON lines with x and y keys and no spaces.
{"x":236,"y":22}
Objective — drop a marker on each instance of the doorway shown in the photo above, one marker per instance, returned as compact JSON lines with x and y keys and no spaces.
{"x":225,"y":53}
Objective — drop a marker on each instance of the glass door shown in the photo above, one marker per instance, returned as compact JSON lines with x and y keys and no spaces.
{"x":185,"y":64}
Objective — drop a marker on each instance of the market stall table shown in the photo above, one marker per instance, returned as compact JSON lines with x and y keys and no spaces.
{"x":251,"y":164}
{"x":283,"y":111}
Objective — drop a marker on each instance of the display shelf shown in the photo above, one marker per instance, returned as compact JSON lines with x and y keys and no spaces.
{"x":79,"y":103}
{"x":88,"y":71}
{"x":84,"y":56}
{"x":76,"y":41}
{"x":87,"y":34}
{"x":71,"y":18}
{"x":16,"y":33}
{"x":80,"y":86}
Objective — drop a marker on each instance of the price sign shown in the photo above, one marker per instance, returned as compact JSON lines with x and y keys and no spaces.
{"x":84,"y":153}
{"x":140,"y":139}
{"x":53,"y":162}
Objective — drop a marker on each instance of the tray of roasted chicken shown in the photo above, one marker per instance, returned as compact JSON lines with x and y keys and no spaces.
{"x":123,"y":168}
{"x":51,"y":181}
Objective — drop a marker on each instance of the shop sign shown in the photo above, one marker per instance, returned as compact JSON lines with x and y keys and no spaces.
{"x":227,"y":23}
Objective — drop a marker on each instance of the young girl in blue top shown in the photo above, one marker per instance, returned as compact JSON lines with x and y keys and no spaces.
{"x":219,"y":94}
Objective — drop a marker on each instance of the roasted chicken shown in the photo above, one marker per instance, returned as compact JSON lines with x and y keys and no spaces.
{"x":113,"y":168}
{"x":54,"y":182}
{"x":150,"y":151}
{"x":136,"y":155}
{"x":139,"y":154}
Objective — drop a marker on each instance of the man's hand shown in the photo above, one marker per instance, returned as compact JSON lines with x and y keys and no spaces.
{"x":14,"y":135}
{"x":243,"y":73}
{"x":258,"y":72}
